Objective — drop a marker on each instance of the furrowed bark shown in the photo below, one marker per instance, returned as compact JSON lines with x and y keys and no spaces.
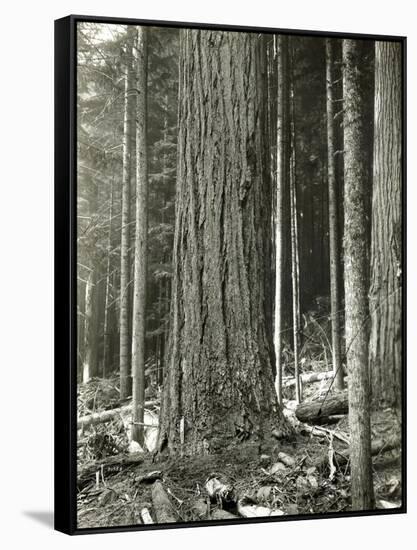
{"x":219,"y":388}
{"x":357,"y":188}
{"x":385,"y":351}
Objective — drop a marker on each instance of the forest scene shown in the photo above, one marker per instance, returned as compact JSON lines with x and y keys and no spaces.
{"x":239,"y":275}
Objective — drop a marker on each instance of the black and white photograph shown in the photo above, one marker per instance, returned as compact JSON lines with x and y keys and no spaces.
{"x":239,"y":275}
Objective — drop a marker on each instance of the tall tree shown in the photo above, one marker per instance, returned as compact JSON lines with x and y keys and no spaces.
{"x":295,"y":262}
{"x":219,"y":388}
{"x":141,"y":241}
{"x":335,"y":302}
{"x":128,"y":129}
{"x":357,"y":189}
{"x":386,"y":261}
{"x":108,"y":278}
{"x":282,"y":177}
{"x":90,"y":328}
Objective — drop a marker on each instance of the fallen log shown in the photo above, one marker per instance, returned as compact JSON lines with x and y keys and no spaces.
{"x":146,"y":516}
{"x":222,"y":514}
{"x":110,"y":464}
{"x":106,"y":416}
{"x":309,"y":377}
{"x":318,"y":411}
{"x":200,"y":508}
{"x":162,"y":505}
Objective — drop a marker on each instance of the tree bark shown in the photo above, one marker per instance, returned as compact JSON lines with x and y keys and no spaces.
{"x":128,"y":128}
{"x":386,"y":262}
{"x":219,"y":388}
{"x":356,"y":182}
{"x":141,"y":242}
{"x":335,"y":303}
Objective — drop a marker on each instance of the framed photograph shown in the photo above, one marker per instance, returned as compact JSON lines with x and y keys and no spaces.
{"x":230,"y":274}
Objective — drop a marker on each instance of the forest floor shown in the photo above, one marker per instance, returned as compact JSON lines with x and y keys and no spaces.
{"x":307,"y":475}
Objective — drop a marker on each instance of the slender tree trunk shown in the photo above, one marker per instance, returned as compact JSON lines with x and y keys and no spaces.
{"x":90,"y":329}
{"x":295,"y":277}
{"x":295,"y":262}
{"x":106,"y":343}
{"x":141,"y":242}
{"x":335,"y":303}
{"x":219,"y":388}
{"x":356,"y":178}
{"x":282,"y":177}
{"x":386,"y":262}
{"x":128,"y":128}
{"x":161,"y":304}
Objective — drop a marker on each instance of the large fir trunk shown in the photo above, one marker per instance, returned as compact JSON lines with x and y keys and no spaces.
{"x":141,"y":242}
{"x":128,"y":128}
{"x":385,"y":295}
{"x":357,"y":188}
{"x":219,"y":387}
{"x":335,"y":302}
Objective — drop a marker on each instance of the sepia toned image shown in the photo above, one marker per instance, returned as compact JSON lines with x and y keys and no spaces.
{"x":239,"y":293}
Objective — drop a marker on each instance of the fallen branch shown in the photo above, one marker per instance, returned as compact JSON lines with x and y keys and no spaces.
{"x":106,"y":416}
{"x":319,"y":431}
{"x":162,"y":505}
{"x":111,"y":464}
{"x":378,"y":446}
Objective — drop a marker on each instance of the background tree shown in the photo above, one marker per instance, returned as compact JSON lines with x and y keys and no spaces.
{"x":141,"y":241}
{"x":386,"y":260}
{"x":356,"y":256}
{"x":282,"y":179}
{"x":295,"y":259}
{"x":219,"y":386}
{"x":128,"y":143}
{"x":335,"y":278}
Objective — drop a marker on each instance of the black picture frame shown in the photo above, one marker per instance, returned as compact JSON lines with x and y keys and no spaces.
{"x":65,"y":271}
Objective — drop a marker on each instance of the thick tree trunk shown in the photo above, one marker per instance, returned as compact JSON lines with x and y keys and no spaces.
{"x":141,"y":242}
{"x":356,"y":181}
{"x":386,"y":262}
{"x":282,"y":182}
{"x":335,"y":303}
{"x":219,"y":388}
{"x":128,"y":129}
